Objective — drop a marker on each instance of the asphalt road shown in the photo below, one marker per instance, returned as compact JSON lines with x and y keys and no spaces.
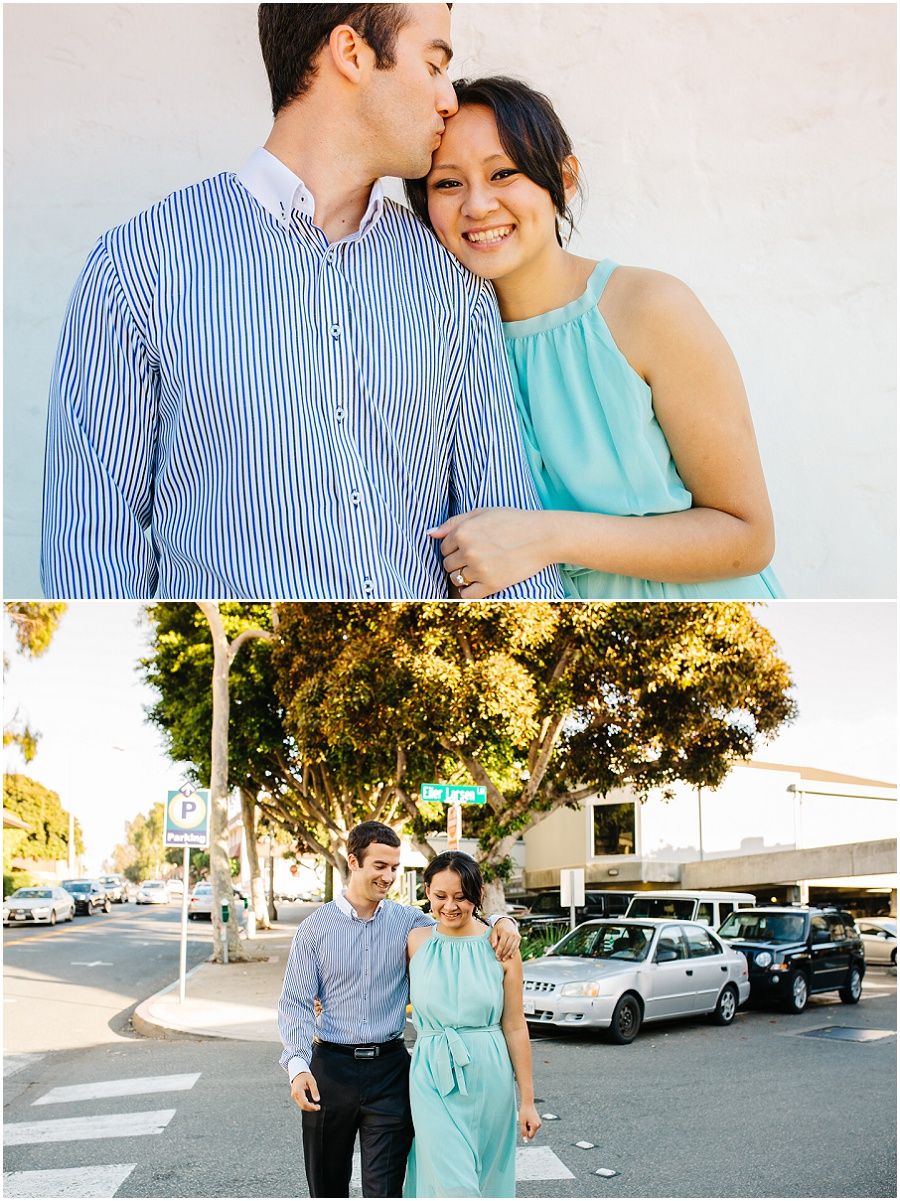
{"x":758,"y":1109}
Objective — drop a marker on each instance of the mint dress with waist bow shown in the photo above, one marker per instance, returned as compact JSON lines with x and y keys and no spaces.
{"x":461,"y":1082}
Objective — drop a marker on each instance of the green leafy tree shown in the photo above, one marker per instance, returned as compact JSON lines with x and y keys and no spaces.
{"x":47,"y":836}
{"x":544,"y":705}
{"x":33,"y":624}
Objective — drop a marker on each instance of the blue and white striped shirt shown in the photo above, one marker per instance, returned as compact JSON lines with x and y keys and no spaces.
{"x":241,"y":409}
{"x":356,"y":968}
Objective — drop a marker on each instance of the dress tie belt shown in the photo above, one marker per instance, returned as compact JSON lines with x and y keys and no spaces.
{"x":453,"y":1054}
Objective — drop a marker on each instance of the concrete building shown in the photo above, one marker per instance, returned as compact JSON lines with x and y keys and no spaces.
{"x":782,"y":832}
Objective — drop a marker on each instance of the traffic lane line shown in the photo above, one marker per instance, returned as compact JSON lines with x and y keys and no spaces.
{"x":129,"y":1086}
{"x":71,"y":929}
{"x":102,"y":1181}
{"x":65,"y":1130}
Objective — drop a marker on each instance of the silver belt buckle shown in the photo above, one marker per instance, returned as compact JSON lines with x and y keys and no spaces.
{"x":365,"y":1052}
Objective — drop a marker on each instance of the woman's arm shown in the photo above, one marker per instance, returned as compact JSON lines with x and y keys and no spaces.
{"x":669,"y":339}
{"x":515,"y":1031}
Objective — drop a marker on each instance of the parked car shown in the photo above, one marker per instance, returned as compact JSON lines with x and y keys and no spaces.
{"x":200,"y":901}
{"x":89,"y":896}
{"x":116,"y":888}
{"x":49,"y":905}
{"x":548,"y":914}
{"x":711,"y":908}
{"x":175,"y":887}
{"x":879,"y":939}
{"x":794,"y":951}
{"x":616,"y":975}
{"x":152,"y":892}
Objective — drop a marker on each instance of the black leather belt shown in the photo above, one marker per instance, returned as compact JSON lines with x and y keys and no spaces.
{"x":362,"y":1050}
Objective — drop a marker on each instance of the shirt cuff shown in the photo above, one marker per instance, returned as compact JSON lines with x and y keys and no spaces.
{"x":295,"y":1066}
{"x":498,"y":917}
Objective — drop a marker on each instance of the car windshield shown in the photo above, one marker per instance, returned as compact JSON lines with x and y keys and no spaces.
{"x":203,"y":888}
{"x":109,"y":879}
{"x":153,"y":884}
{"x":662,"y":907}
{"x":607,"y":942}
{"x":764,"y":927}
{"x":77,"y":886}
{"x":32,"y":894}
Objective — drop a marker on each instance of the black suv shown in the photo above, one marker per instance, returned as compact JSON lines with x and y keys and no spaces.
{"x":88,"y":895}
{"x":793,"y":951}
{"x":547,"y":913}
{"x":116,"y":888}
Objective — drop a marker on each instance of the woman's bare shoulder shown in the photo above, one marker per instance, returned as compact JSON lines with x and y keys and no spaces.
{"x":416,"y":937}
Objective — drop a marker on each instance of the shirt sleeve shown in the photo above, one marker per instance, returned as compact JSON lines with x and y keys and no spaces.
{"x":296,"y":1012}
{"x":489,"y":466}
{"x":101,"y":446}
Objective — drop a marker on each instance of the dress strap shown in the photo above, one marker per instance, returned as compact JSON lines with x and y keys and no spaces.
{"x":599,"y":278}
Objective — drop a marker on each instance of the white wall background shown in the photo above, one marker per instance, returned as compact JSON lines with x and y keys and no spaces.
{"x":748,"y":149}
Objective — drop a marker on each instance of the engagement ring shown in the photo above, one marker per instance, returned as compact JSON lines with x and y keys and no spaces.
{"x":460,"y":580}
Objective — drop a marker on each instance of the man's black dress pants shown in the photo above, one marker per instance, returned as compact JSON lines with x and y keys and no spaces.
{"x":369,"y":1096}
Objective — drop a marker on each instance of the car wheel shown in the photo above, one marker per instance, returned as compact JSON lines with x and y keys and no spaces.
{"x":852,"y":990}
{"x":798,"y":992}
{"x":107,"y":907}
{"x":52,"y":917}
{"x":894,"y":957}
{"x":71,"y":914}
{"x":726,"y":1006}
{"x":626,"y":1020}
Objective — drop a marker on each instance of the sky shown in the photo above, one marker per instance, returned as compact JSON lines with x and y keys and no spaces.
{"x":87,"y":699}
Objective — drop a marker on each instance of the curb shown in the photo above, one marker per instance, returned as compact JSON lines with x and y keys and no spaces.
{"x":146,"y":1027}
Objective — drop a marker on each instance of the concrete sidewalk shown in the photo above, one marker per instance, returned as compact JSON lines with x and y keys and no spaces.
{"x":238,"y":1001}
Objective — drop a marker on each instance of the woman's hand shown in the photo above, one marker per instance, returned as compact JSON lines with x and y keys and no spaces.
{"x":493,"y":549}
{"x":529,"y":1122}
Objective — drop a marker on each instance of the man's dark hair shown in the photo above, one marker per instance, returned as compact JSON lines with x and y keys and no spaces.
{"x":363,"y":835}
{"x":471,"y":880}
{"x":292,"y":35}
{"x":530,"y":132}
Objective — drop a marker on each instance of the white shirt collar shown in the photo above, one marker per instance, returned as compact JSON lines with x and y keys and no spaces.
{"x":345,"y":907}
{"x":282,"y":193}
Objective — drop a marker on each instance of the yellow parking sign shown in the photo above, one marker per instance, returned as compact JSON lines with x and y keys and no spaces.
{"x":187,"y":818}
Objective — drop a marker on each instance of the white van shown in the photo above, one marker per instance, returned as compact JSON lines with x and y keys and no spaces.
{"x":711,"y":908}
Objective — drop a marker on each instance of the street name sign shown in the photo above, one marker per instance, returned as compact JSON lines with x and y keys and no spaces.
{"x":455,"y":794}
{"x":187,"y":819}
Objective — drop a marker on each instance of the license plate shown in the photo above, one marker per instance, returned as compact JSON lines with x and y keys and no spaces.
{"x":20,"y":917}
{"x":529,"y":1004}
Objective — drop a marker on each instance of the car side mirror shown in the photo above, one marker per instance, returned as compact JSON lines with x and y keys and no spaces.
{"x":821,"y":936}
{"x":665,"y":956}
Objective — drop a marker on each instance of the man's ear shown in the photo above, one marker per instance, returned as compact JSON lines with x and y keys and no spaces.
{"x":350,"y":54}
{"x":570,"y":171}
{"x":352,"y":863}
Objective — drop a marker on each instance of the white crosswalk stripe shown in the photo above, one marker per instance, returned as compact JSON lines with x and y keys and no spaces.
{"x":133,"y":1087}
{"x":101,"y":1181}
{"x":64,"y":1130}
{"x":532,"y":1163}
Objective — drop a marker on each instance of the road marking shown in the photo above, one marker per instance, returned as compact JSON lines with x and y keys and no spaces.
{"x":93,"y":963}
{"x":101,"y":1181}
{"x":532,"y":1163}
{"x":540,"y":1163}
{"x":66,"y":1130}
{"x":56,"y":932}
{"x":15,"y":1063}
{"x":132,"y":1087}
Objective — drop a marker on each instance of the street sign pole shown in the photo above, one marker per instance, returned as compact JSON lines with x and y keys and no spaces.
{"x":186,"y":826}
{"x":182,"y":972}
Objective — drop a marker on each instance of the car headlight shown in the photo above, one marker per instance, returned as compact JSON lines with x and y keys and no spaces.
{"x":763,"y":959}
{"x":585,"y":988}
{"x":42,"y":912}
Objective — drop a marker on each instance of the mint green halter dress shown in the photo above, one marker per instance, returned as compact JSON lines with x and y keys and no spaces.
{"x":461,"y":1082}
{"x":593,"y":442}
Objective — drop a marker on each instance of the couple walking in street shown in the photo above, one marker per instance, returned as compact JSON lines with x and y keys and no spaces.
{"x":444,"y":1123}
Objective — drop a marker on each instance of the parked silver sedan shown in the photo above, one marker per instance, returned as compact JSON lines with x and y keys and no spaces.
{"x":618,"y":974}
{"x":50,"y":905}
{"x":879,"y":938}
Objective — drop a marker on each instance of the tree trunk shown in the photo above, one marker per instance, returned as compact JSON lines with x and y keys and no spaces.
{"x":329,"y":881}
{"x":494,"y":899}
{"x":219,"y":860}
{"x":257,"y":887}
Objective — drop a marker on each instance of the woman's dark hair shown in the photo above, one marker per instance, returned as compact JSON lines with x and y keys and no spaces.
{"x":530,"y":132}
{"x":291,"y":36}
{"x":470,"y":877}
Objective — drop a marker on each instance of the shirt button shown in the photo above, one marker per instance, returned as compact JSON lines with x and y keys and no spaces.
{"x":368,"y":586}
{"x":335,"y":331}
{"x":339,"y":414}
{"x":356,"y":497}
